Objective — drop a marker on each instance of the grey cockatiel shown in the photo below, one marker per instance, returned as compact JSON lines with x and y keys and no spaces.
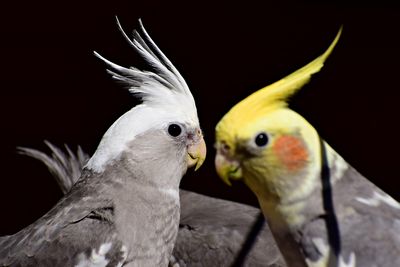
{"x":212,"y":232}
{"x":124,"y":209}
{"x":321,"y":211}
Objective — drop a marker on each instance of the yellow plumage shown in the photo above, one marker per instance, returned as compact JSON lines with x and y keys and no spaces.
{"x":274,"y":96}
{"x":270,"y":147}
{"x":321,"y":211}
{"x":266,"y":111}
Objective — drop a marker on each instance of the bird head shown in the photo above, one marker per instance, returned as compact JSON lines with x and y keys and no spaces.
{"x":161,"y":132}
{"x":265,"y":143}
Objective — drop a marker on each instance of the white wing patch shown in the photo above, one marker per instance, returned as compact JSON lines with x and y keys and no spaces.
{"x":96,"y":259}
{"x":351,"y":263}
{"x":377,"y":199}
{"x":334,"y":159}
{"x":173,"y":262}
{"x":171,"y":192}
{"x":124,"y":251}
{"x":324,"y":249}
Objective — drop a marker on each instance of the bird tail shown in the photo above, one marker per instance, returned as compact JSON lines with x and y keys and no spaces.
{"x":65,"y":166}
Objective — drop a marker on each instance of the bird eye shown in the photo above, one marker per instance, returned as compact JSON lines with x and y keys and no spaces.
{"x":174,"y":130}
{"x":261,"y":139}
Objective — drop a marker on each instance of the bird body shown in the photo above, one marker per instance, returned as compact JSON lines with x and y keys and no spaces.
{"x":93,"y":218}
{"x":212,"y":231}
{"x":321,"y":211}
{"x":124,"y":208}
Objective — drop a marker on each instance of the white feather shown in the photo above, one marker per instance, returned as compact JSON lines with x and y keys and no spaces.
{"x":379,"y":198}
{"x":96,"y":258}
{"x":324,"y":249}
{"x":165,"y":94}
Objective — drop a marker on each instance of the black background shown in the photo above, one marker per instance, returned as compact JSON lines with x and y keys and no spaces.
{"x":52,"y":87}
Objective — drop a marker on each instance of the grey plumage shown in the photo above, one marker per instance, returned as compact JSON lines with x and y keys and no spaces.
{"x":211,"y":231}
{"x":367,"y":220}
{"x":92,"y":213}
{"x":347,"y":221}
{"x":121,"y":211}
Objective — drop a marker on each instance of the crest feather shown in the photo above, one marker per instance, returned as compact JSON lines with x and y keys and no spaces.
{"x":160,"y":86}
{"x":281,"y":90}
{"x":165,"y":95}
{"x":275,"y":96}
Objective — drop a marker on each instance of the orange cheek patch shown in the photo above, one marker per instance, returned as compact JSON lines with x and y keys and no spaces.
{"x":291,"y":152}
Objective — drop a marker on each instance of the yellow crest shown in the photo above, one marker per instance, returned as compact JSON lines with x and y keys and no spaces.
{"x":273,"y":96}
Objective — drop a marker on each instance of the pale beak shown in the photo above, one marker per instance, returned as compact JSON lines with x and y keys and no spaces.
{"x":227,"y":169}
{"x":196,"y":154}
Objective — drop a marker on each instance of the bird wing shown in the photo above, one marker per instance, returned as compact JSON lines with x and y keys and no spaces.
{"x":67,"y":234}
{"x":368,"y":222}
{"x":211,"y":232}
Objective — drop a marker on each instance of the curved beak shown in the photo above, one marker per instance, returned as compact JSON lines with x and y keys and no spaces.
{"x":228,"y":169}
{"x":196,"y":154}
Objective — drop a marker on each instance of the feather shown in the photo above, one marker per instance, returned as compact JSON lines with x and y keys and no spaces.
{"x":274,"y":96}
{"x":66,"y":168}
{"x":164,"y":93}
{"x":149,"y":86}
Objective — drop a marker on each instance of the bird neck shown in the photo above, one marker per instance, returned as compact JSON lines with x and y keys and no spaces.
{"x":288,"y":201}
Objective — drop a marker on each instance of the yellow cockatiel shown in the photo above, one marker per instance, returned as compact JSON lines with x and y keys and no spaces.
{"x":321,"y":211}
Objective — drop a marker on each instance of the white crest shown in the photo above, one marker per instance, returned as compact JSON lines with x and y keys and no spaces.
{"x":165,"y":95}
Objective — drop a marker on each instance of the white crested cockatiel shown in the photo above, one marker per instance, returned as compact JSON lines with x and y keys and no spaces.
{"x":124,"y":209}
{"x":212,"y":232}
{"x":321,"y":211}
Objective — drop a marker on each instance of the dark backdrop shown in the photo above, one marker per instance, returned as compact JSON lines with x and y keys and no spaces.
{"x":52,"y":87}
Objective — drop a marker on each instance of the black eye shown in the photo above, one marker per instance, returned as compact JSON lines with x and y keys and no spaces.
{"x":261,"y":139}
{"x":174,"y":130}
